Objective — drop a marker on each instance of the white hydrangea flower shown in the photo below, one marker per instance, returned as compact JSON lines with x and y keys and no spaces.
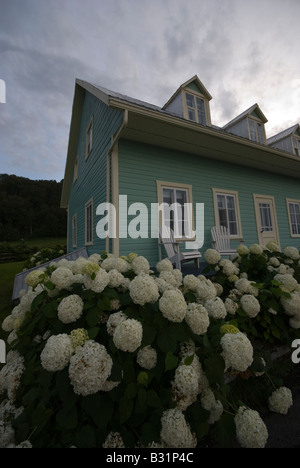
{"x":287,"y":280}
{"x":291,"y":304}
{"x":186,"y":380}
{"x":163,"y":285}
{"x":147,"y":357}
{"x":57,"y":352}
{"x":115,"y":278}
{"x":292,"y":252}
{"x":212,"y":256}
{"x":140,"y":265}
{"x":99,"y":283}
{"x":209,"y":403}
{"x":229,"y":268}
{"x":78,"y":337}
{"x":281,"y":400}
{"x":173,"y":306}
{"x":70,"y":308}
{"x":62,"y":278}
{"x":34,"y":278}
{"x":242,"y":250}
{"x":114,"y":320}
{"x":89,"y":368}
{"x":197,"y":318}
{"x":205,"y":290}
{"x":250,"y":305}
{"x":251,"y":431}
{"x":191,"y":282}
{"x":128,"y":335}
{"x":175,"y":432}
{"x":216,"y":308}
{"x":256,"y":249}
{"x":11,"y":374}
{"x":113,"y":440}
{"x":143,"y":289}
{"x":245,"y":286}
{"x":8,"y":323}
{"x":237,"y":351}
{"x":231,"y":306}
{"x":113,"y":263}
{"x":164,"y":265}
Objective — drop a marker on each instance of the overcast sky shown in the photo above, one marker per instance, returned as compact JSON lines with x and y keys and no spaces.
{"x":244,"y":52}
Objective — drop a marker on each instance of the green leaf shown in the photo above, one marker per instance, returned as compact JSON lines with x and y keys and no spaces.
{"x":214,"y":368}
{"x":67,"y":419}
{"x":153,"y":399}
{"x":93,"y":316}
{"x":85,"y":437}
{"x":188,"y":360}
{"x":171,"y":361}
{"x":99,"y":407}
{"x":125,"y":409}
{"x":93,"y":332}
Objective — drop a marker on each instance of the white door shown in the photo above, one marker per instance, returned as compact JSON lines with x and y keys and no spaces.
{"x":266,"y":221}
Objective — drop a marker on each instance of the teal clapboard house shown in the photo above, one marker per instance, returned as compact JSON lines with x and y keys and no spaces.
{"x":127,"y":159}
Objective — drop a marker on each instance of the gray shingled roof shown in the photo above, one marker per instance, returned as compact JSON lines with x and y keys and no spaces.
{"x":282,"y":135}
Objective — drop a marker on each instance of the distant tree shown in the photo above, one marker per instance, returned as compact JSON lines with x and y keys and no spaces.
{"x":30,"y":208}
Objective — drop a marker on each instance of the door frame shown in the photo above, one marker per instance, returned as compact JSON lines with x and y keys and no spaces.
{"x":269,"y":199}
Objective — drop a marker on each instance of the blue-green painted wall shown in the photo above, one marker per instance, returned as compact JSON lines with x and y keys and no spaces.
{"x":141,"y":165}
{"x":91,"y":180}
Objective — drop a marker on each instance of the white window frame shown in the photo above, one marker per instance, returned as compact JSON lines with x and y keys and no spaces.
{"x":89,"y":223}
{"x":255,"y":132}
{"x":289,"y":202}
{"x":296,"y":146}
{"x":188,"y":211}
{"x":187,"y":108}
{"x":228,"y":193}
{"x":74,"y":230}
{"x":75,"y":174}
{"x":89,"y":139}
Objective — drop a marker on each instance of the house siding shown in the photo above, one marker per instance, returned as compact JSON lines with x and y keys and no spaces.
{"x":91,"y":182}
{"x":140,"y":166}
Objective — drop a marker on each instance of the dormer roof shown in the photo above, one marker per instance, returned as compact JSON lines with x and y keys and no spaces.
{"x":194,"y":84}
{"x":294,"y":130}
{"x":253,"y":111}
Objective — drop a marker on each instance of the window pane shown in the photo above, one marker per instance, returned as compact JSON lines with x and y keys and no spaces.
{"x":175,"y":212}
{"x":265,"y":216}
{"x":227,"y":213}
{"x":201,"y":111}
{"x":260,"y":133}
{"x":294,"y":209}
{"x":190,"y":101}
{"x":252,"y":130}
{"x":192,"y":115}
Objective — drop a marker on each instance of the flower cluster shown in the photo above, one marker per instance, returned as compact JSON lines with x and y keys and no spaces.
{"x":152,"y":348}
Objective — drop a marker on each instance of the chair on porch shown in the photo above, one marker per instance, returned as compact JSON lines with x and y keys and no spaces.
{"x":221,"y":240}
{"x":166,"y":238}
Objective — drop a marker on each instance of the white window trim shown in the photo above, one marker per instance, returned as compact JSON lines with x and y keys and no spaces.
{"x":288,"y":201}
{"x":89,"y":242}
{"x":174,"y":185}
{"x":185,"y":107}
{"x":260,"y":122}
{"x":74,"y":230}
{"x":88,"y":149}
{"x":296,"y":148}
{"x":234,"y":193}
{"x":75,"y":173}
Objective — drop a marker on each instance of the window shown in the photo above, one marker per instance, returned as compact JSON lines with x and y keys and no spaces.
{"x":266,"y":217}
{"x":195,"y":106}
{"x":74,"y":230}
{"x":296,"y":143}
{"x":256,"y":132}
{"x":89,"y":140}
{"x":75,"y":175}
{"x":227,"y":211}
{"x":89,"y":222}
{"x":175,"y":201}
{"x":294,"y":217}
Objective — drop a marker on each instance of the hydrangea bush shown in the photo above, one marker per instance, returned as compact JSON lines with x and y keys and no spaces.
{"x":104,"y":352}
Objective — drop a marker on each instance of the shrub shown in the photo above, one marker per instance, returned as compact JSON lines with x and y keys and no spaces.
{"x":103,"y":352}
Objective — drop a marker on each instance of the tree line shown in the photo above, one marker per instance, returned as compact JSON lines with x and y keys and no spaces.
{"x":30,"y":208}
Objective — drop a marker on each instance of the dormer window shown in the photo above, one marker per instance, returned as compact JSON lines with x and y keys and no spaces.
{"x":256,"y":131}
{"x":296,"y":144}
{"x":191,"y":102}
{"x":249,"y":124}
{"x":195,"y":108}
